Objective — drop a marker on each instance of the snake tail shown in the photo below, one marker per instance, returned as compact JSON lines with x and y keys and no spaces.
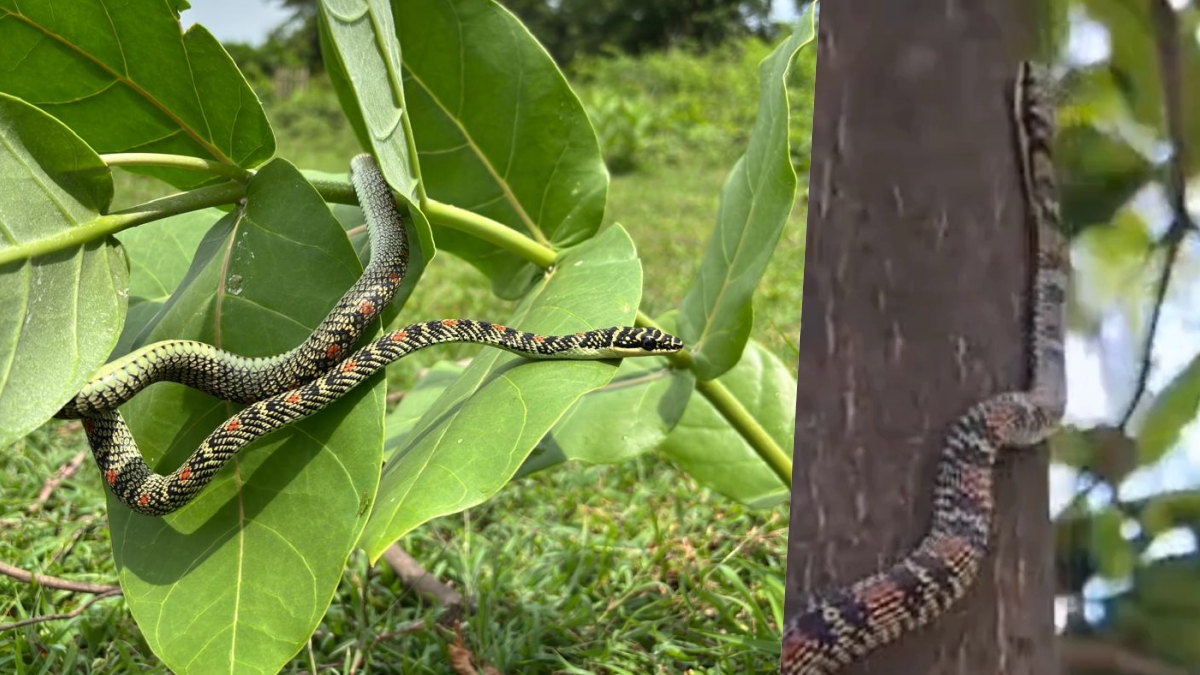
{"x":840,"y":626}
{"x":141,"y":489}
{"x":246,"y":379}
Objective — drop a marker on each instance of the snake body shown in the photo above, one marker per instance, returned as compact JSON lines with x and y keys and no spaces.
{"x":284,"y":389}
{"x":839,"y":626}
{"x":243,"y":379}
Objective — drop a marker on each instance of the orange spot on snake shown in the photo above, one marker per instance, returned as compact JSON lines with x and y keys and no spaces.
{"x":393,"y":277}
{"x":349,"y":366}
{"x":450,"y":322}
{"x":882,"y":594}
{"x":538,"y":338}
{"x":293,"y":398}
{"x":110,"y":476}
{"x":233,"y":425}
{"x":499,"y":327}
{"x":144,"y":499}
{"x":332,"y":351}
{"x":185,"y":474}
{"x":399,"y":335}
{"x":89,"y":426}
{"x":366,"y":308}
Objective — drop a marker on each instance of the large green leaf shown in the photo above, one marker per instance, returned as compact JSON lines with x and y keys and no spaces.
{"x":124,"y":78}
{"x":473,"y":439}
{"x":705,"y":446}
{"x":236,"y":581}
{"x":629,"y":416}
{"x":363,"y":56}
{"x":498,"y":131}
{"x":417,"y":400}
{"x":716,"y":315}
{"x":1113,"y":553}
{"x":160,"y":254}
{"x":1102,"y":174}
{"x":1174,"y":408}
{"x":62,"y":312}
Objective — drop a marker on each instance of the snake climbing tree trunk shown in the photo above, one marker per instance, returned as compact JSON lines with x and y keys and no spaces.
{"x":916,"y":302}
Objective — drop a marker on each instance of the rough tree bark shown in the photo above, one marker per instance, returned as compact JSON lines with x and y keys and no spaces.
{"x":915,"y":307}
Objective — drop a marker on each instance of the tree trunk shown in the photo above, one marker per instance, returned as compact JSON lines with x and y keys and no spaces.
{"x":915,"y":307}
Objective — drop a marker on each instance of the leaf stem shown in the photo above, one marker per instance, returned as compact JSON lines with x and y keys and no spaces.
{"x":176,"y":162}
{"x":735,"y":413}
{"x":103,"y":226}
{"x":490,"y":231}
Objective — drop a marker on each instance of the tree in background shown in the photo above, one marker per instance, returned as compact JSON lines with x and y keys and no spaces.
{"x":571,"y":27}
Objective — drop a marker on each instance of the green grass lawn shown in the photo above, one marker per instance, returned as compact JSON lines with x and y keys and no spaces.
{"x":578,"y":569}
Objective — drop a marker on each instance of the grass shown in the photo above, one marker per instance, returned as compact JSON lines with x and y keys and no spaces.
{"x":579,"y":569}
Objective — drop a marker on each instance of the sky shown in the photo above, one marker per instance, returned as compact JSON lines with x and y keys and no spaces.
{"x":236,"y":20}
{"x":251,"y":20}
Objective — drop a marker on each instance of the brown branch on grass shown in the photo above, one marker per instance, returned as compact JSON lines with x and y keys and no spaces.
{"x":415,"y":577}
{"x":64,"y":472}
{"x":1079,"y":654}
{"x":55,"y":582}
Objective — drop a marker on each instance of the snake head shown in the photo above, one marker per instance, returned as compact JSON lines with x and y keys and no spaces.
{"x":631,"y":341}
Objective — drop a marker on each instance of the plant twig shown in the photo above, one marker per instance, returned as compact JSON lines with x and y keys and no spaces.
{"x":51,"y":484}
{"x":1167,"y":41}
{"x":59,"y":617}
{"x":103,"y":226}
{"x":55,"y":582}
{"x":415,"y":577}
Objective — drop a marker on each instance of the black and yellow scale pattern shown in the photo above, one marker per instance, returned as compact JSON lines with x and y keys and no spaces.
{"x":840,"y":626}
{"x":244,"y":379}
{"x":300,"y":383}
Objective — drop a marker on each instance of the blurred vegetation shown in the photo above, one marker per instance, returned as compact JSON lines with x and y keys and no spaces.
{"x":1127,"y":560}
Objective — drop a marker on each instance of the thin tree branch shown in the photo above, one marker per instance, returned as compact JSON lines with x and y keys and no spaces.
{"x":64,"y":472}
{"x":55,"y":582}
{"x":58,"y":617}
{"x":1166,"y":30}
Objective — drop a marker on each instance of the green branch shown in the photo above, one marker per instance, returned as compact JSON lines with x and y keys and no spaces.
{"x":176,"y":162}
{"x":103,"y":226}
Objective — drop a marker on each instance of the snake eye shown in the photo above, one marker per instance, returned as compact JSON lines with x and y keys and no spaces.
{"x":648,"y":343}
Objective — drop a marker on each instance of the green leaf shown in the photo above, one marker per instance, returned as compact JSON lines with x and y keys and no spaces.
{"x":238,"y":580}
{"x":363,"y":54}
{"x":367,"y":54}
{"x":498,"y":131}
{"x":716,"y":316}
{"x":62,"y":312}
{"x":124,"y":78}
{"x":474,"y":438}
{"x":1102,"y":174}
{"x":706,"y":447}
{"x":1173,"y":409}
{"x":628,"y":416}
{"x":401,"y":421}
{"x":160,"y":254}
{"x":1113,"y":553}
{"x":1115,"y":266}
{"x":1135,"y":65}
